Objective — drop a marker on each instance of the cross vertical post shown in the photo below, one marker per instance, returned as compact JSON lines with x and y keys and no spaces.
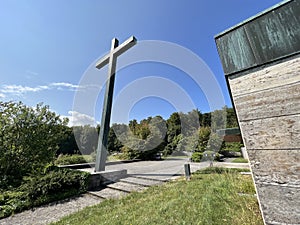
{"x":111,"y":60}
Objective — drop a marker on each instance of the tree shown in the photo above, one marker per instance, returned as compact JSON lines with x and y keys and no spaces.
{"x":114,"y":144}
{"x":29,"y":139}
{"x":189,"y":143}
{"x":174,"y":129}
{"x":204,"y":134}
{"x":174,"y":126}
{"x":149,"y":138}
{"x":206,"y":120}
{"x":68,"y":145}
{"x":190,"y":122}
{"x":218,"y":119}
{"x":87,"y":138}
{"x":133,"y":126}
{"x":231,"y":118}
{"x":156,"y":139}
{"x":215,"y":143}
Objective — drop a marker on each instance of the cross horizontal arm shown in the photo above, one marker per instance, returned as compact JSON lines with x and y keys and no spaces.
{"x":117,"y":51}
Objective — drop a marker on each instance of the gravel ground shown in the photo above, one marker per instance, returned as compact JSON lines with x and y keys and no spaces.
{"x":51,"y":212}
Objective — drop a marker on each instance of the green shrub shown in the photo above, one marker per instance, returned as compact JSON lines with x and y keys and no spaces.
{"x":232,"y":146}
{"x":128,"y":154}
{"x":12,"y":201}
{"x":72,"y":159}
{"x":51,"y":185}
{"x":231,"y":149}
{"x":197,"y":156}
{"x":220,"y":170}
{"x":211,"y":155}
{"x":40,"y":189}
{"x":207,"y":155}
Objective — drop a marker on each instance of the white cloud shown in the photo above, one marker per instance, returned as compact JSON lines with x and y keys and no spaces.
{"x":80,"y":119}
{"x":73,"y":87}
{"x":19,"y":89}
{"x":2,"y":95}
{"x":62,"y":85}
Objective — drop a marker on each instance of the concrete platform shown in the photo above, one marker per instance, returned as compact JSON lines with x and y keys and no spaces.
{"x":97,"y":179}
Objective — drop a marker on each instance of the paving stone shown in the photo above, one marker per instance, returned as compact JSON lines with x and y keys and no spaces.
{"x":140,"y":181}
{"x":127,"y":187}
{"x":108,"y":193}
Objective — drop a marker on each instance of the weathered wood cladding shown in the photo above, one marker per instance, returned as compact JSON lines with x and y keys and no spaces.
{"x":279,"y":203}
{"x":261,"y":60}
{"x":268,"y":108}
{"x":284,"y":170}
{"x":277,"y":183}
{"x":272,"y":133}
{"x":267,"y":103}
{"x":265,"y":38}
{"x":282,"y":74}
{"x":281,"y":101}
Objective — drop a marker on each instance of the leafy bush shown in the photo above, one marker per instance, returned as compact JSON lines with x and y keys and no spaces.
{"x":131,"y":154}
{"x":231,"y":149}
{"x":232,"y":146}
{"x":50,"y":186}
{"x":197,"y":156}
{"x":128,"y":153}
{"x":40,"y":189}
{"x":207,"y":155}
{"x":29,"y":140}
{"x":73,"y":159}
{"x":211,"y":155}
{"x":12,"y":201}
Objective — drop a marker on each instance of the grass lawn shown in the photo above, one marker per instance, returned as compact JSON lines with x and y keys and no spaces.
{"x":213,"y":196}
{"x":240,"y":160}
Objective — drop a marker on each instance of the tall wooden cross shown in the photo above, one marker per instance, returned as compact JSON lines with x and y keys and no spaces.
{"x":111,"y":60}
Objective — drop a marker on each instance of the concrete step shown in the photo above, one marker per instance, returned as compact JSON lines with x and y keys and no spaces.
{"x":140,"y":181}
{"x":108,"y":193}
{"x":156,"y":178}
{"x":126,"y":187}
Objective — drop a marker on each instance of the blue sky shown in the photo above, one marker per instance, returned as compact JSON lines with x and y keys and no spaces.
{"x":46,"y":47}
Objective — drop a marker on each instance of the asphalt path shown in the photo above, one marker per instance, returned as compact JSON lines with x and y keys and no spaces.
{"x":171,"y":167}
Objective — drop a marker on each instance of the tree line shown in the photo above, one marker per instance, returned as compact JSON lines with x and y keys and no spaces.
{"x":33,"y":137}
{"x":192,"y":131}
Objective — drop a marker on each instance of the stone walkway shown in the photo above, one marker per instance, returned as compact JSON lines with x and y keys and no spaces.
{"x":140,"y":176}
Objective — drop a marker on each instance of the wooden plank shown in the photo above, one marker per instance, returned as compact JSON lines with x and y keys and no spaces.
{"x":276,"y":166}
{"x":280,"y":204}
{"x":284,"y":100}
{"x":272,"y":133}
{"x":281,"y":74}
